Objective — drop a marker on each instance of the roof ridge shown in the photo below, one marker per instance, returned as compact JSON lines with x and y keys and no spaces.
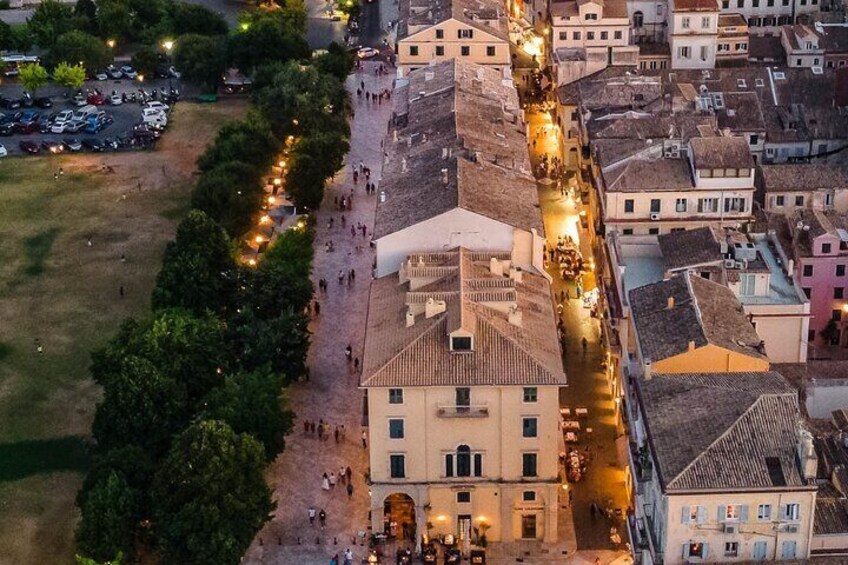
{"x":514,"y":342}
{"x":721,"y":436}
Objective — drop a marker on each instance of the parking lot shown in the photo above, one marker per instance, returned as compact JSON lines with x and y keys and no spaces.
{"x":116,"y":132}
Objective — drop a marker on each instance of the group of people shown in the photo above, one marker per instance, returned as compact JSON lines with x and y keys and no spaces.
{"x":567,"y":256}
{"x":375,"y":96}
{"x":329,"y":481}
{"x":321,"y":429}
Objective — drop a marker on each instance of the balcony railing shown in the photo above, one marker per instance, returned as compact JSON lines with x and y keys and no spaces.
{"x":470,"y":411}
{"x":638,"y":537}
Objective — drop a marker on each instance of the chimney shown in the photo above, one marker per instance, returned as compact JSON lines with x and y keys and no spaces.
{"x":691,"y":346}
{"x":670,"y":303}
{"x":429,"y":75}
{"x":444,"y":152}
{"x":495,"y":267}
{"x":403,"y":167}
{"x":806,"y":454}
{"x":646,"y":369}
{"x":514,"y":316}
{"x":516,"y":274}
{"x":394,"y":135}
{"x":410,"y":319}
{"x":434,"y":307}
{"x":445,"y":178}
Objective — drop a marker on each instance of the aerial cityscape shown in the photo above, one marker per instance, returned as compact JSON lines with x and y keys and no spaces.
{"x":356,"y":282}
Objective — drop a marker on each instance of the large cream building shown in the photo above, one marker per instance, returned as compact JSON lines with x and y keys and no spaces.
{"x":476,"y":31}
{"x":722,"y":470}
{"x":462,"y":370}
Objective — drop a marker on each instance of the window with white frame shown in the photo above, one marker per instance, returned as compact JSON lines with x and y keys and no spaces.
{"x":705,"y":52}
{"x":747,"y":284}
{"x":764,"y":513}
{"x":734,"y":204}
{"x":705,"y":22}
{"x":684,"y":52}
{"x":463,"y":463}
{"x":731,"y":512}
{"x":680,"y":205}
{"x":731,"y":549}
{"x":684,"y":22}
{"x":792,"y":512}
{"x":707,"y":205}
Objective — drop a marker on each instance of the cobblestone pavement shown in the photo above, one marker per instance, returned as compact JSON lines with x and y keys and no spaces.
{"x":331,"y":393}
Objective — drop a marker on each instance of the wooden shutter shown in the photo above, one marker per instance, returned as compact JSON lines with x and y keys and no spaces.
{"x":684,"y":515}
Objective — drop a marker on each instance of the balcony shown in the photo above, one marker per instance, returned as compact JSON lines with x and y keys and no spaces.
{"x":640,"y":467}
{"x":638,"y":537}
{"x":469,"y":411}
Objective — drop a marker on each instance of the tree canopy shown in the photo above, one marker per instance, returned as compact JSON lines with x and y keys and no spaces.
{"x":69,"y":76}
{"x":267,"y":36}
{"x":77,"y":47}
{"x":248,"y":141}
{"x":231,"y":194}
{"x":210,"y":495}
{"x":50,"y":20}
{"x":201,"y":58}
{"x":32,"y":77}
{"x":109,"y":519}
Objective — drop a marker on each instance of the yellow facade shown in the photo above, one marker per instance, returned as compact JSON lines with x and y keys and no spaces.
{"x":495,"y":492}
{"x":710,"y":359}
{"x":442,"y":42}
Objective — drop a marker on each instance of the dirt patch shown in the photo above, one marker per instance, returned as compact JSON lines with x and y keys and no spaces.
{"x":68,"y":245}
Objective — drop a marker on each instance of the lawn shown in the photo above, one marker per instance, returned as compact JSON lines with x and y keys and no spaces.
{"x":67,"y":248}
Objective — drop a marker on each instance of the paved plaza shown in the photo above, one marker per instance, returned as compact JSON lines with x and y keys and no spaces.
{"x":331,"y":393}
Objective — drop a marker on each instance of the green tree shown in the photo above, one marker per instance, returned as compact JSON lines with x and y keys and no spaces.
{"x":77,"y":47}
{"x":69,"y":76}
{"x":314,"y":159}
{"x":248,"y":141}
{"x":109,"y":517}
{"x":251,"y":402}
{"x":80,"y":560}
{"x":231,"y":194}
{"x":198,"y":271}
{"x":50,"y":20}
{"x":336,"y":61}
{"x":189,"y":348}
{"x":281,"y":280}
{"x":265,"y":36}
{"x":141,"y":406}
{"x":195,"y":19}
{"x":145,"y":61}
{"x":115,"y":20}
{"x":32,"y":77}
{"x":131,"y":463}
{"x":201,"y":58}
{"x":281,"y":342}
{"x":210,"y":496}
{"x":301,"y":100}
{"x":86,"y":11}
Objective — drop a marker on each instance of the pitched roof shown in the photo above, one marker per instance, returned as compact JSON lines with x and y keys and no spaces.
{"x":803,"y":176}
{"x":696,"y":6}
{"x":457,"y":141}
{"x":722,"y":431}
{"x":638,"y":175}
{"x":689,"y":248}
{"x":505,"y":352}
{"x":721,"y":153}
{"x":702,"y":312}
{"x":486,"y":15}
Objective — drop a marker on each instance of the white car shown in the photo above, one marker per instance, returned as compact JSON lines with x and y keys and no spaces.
{"x":129,"y":72}
{"x":101,"y":76}
{"x":367,"y":53}
{"x":174,"y":73}
{"x":156,"y":105}
{"x":116,"y":100}
{"x":3,"y":151}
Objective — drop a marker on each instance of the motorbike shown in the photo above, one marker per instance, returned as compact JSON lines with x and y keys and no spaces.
{"x":453,"y":557}
{"x":404,"y":557}
{"x":428,"y":554}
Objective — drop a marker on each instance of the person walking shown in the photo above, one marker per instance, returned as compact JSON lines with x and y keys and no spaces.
{"x":349,"y":473}
{"x":332,"y":480}
{"x":325,"y":482}
{"x":364,"y":439}
{"x":322,"y":518}
{"x":311,"y":513}
{"x":348,"y":352}
{"x":336,"y":434}
{"x":349,"y":491}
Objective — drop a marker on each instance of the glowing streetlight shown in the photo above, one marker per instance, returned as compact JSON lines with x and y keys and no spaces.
{"x":168,"y":45}
{"x":140,"y":78}
{"x":259,"y":239}
{"x":110,"y":44}
{"x":272,"y":199}
{"x":245,"y":26}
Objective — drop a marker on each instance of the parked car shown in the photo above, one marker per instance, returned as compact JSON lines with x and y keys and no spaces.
{"x":44,"y":102}
{"x":85,"y":112}
{"x":156,"y":105}
{"x":74,"y":126}
{"x":10,"y":103}
{"x":102,"y":75}
{"x":367,"y":53}
{"x":95,"y":99}
{"x":79,"y":99}
{"x":28,"y":116}
{"x":29,"y":146}
{"x":93,"y":144}
{"x":116,"y":99}
{"x":27,"y":127}
{"x":3,"y":151}
{"x":52,"y":146}
{"x":129,"y":72}
{"x":72,"y":144}
{"x":114,"y":72}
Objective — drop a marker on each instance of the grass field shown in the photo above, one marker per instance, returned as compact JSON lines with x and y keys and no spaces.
{"x":59,"y":292}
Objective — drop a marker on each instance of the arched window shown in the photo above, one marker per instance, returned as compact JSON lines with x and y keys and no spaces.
{"x":638,"y":19}
{"x":463,"y":461}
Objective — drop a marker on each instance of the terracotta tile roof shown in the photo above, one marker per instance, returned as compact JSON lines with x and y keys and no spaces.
{"x":458,"y":140}
{"x":696,"y":6}
{"x":722,"y":431}
{"x":721,"y":153}
{"x":639,"y":175}
{"x":505,"y":352}
{"x":488,"y":16}
{"x":703,"y":312}
{"x":689,"y":248}
{"x":803,"y":177}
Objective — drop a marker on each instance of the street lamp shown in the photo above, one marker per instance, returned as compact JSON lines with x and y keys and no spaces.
{"x":110,"y":43}
{"x":169,"y":45}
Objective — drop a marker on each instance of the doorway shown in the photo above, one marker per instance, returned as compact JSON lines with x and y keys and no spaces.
{"x":399,"y":517}
{"x":528,"y":526}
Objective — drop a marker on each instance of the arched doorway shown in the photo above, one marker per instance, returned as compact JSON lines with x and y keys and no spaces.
{"x":399,"y":517}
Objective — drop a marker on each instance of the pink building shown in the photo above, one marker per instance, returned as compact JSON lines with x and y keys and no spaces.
{"x":819,"y":243}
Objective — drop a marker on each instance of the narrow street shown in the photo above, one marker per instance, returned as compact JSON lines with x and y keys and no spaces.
{"x":603,"y":482}
{"x":331,"y":393}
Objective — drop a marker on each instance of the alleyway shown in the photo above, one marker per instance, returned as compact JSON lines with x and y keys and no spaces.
{"x":331,"y":393}
{"x":603,"y":482}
